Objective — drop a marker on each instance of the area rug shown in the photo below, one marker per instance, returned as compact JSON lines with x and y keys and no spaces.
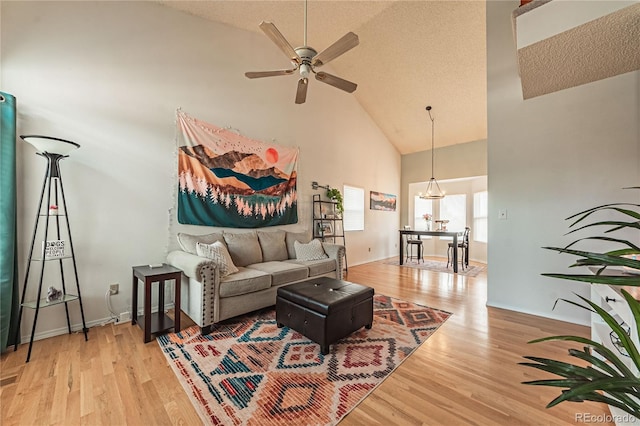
{"x":435,"y":266}
{"x":248,"y":371}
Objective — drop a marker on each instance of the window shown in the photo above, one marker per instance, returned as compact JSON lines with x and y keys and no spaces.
{"x":480,"y":217}
{"x":454,"y":209}
{"x":353,"y":202}
{"x":420,"y":208}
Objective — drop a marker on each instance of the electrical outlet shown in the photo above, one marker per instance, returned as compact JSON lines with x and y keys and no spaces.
{"x":114,"y":289}
{"x":502,"y":214}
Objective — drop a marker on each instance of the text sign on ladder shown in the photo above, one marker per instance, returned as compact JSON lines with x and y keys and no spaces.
{"x":53,"y":249}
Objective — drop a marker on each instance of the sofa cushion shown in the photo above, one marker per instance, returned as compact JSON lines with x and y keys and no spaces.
{"x":244,"y":281}
{"x":188,"y":242}
{"x":219,"y":254}
{"x":316,"y":267}
{"x":311,"y":251}
{"x":282,"y":272}
{"x":243,"y":247}
{"x":273,"y":245}
{"x":292,"y":237}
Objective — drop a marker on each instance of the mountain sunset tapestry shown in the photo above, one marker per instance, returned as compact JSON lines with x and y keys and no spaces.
{"x":229,"y":180}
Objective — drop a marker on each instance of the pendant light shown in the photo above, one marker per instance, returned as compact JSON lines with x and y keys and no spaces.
{"x":433,"y":189}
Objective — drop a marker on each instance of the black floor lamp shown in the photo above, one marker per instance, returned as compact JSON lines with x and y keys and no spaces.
{"x":54,"y":150}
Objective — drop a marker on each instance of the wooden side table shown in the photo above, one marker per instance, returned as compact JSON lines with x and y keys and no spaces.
{"x":158,"y":322}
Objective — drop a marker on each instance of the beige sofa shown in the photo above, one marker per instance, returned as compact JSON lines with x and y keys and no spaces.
{"x":265,"y":260}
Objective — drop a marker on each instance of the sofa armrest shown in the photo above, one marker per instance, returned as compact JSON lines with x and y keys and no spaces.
{"x":193,"y":266}
{"x":203,"y":289}
{"x":338,"y":253}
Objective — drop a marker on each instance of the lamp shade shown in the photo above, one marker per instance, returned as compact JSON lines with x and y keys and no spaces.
{"x":50,"y":145}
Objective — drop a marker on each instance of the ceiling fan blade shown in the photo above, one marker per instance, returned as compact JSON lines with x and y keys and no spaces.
{"x":301,"y":93}
{"x":346,"y":43}
{"x":260,"y":74}
{"x":276,"y":36}
{"x":338,"y":82}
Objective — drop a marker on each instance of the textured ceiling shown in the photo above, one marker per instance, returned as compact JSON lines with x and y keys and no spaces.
{"x":411,"y":54}
{"x":598,"y":49}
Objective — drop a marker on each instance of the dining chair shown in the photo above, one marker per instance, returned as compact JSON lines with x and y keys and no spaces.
{"x":463,"y":246}
{"x":411,"y":242}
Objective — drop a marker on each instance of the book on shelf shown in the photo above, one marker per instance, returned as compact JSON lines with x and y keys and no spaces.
{"x":53,"y":249}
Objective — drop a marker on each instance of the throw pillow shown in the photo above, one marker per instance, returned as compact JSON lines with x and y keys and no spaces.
{"x":292,"y":237}
{"x":188,"y":242}
{"x":273,"y":245}
{"x":219,"y":254}
{"x":310,"y":251}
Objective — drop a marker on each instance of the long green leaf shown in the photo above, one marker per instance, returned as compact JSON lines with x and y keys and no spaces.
{"x":634,"y":306}
{"x":610,"y":207}
{"x":621,"y":280}
{"x":556,"y":383}
{"x":616,"y":225}
{"x":563,"y":369}
{"x":625,"y":339}
{"x":630,"y":407}
{"x":605,"y":259}
{"x":614,"y":359}
{"x":598,"y":347}
{"x":588,"y":212}
{"x":585,"y":355}
{"x":571,"y":302}
{"x":613,"y":384}
{"x":613,"y":240}
{"x":623,"y":397}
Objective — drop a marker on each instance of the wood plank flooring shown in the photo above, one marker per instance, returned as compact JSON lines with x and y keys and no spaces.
{"x":466,"y":373}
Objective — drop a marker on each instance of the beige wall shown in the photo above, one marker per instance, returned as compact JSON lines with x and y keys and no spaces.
{"x":110,"y":75}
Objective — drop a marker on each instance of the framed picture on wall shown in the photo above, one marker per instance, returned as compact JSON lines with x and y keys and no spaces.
{"x":381,"y":201}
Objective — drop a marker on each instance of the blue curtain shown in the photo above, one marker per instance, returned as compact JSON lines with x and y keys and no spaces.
{"x":8,"y":240}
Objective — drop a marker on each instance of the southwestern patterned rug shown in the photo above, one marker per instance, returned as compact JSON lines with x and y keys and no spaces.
{"x":249,"y":371}
{"x":435,"y":266}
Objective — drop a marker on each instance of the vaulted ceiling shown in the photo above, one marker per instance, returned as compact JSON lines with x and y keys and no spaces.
{"x":411,"y":54}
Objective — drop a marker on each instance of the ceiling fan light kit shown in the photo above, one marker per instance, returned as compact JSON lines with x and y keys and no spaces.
{"x":306,"y":59}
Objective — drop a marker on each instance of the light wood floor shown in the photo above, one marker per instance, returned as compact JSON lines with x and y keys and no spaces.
{"x":466,"y":373}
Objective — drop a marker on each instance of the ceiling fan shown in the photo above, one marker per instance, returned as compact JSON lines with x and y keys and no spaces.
{"x":306,"y":59}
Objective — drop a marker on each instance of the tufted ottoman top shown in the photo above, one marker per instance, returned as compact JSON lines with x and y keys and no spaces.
{"x":325,"y":295}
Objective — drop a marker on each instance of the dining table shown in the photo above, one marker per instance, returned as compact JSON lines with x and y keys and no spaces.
{"x":454,"y":234}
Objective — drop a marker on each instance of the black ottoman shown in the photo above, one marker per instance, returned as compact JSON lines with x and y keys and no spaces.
{"x":324,"y":309}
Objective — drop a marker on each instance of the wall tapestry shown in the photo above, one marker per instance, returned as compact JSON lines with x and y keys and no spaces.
{"x":380,"y":201}
{"x":228,"y":180}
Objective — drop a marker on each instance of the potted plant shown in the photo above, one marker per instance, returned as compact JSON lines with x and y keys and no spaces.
{"x":335,"y":195}
{"x":608,"y":378}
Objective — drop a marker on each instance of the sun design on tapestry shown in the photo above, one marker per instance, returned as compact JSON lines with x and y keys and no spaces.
{"x":225,"y":179}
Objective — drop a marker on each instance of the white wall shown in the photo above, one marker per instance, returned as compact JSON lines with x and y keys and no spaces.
{"x":110,"y":75}
{"x":550,"y":157}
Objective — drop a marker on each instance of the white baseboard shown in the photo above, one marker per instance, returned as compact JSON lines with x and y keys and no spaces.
{"x":77,"y":328}
{"x":538,"y":313}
